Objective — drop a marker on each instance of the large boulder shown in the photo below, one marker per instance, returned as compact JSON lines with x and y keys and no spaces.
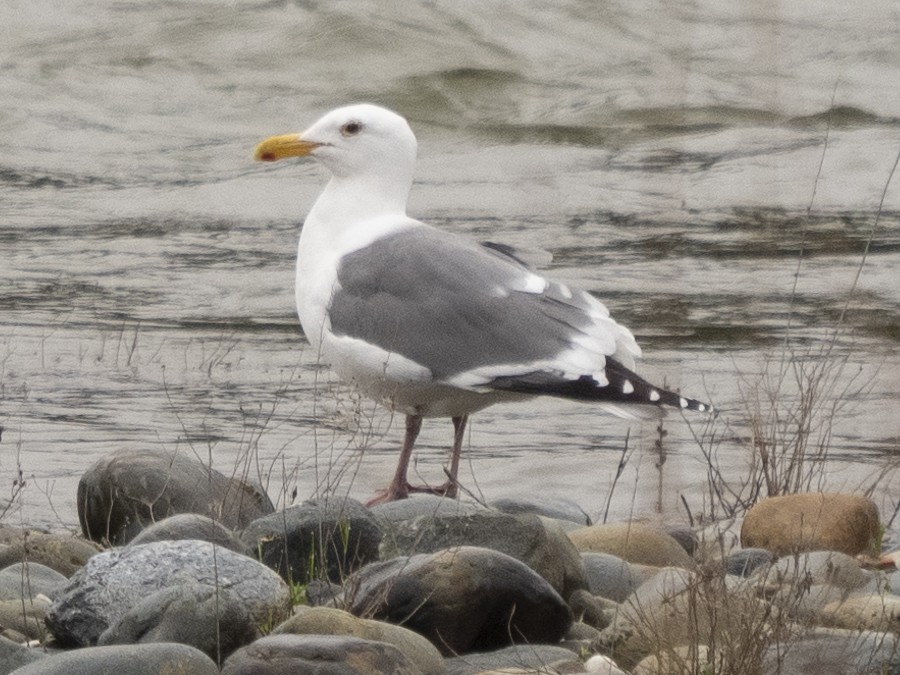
{"x":462,"y":599}
{"x":319,"y":654}
{"x":125,"y":491}
{"x":542,"y":545}
{"x":811,"y":522}
{"x":326,"y":539}
{"x":113,"y":583}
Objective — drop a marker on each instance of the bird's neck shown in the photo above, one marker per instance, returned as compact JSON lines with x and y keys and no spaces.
{"x":353,"y":211}
{"x":354,"y":199}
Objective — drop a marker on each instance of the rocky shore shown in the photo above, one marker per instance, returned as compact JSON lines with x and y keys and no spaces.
{"x":184,"y":570}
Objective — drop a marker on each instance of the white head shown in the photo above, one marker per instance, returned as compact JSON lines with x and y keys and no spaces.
{"x":361,"y":140}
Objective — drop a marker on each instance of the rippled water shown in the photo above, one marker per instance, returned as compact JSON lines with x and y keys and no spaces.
{"x":713,"y":172}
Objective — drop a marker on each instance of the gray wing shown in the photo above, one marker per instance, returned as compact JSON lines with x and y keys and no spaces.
{"x":453,"y":306}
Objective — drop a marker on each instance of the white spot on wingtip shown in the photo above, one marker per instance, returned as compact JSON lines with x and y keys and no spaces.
{"x":683,"y":402}
{"x":627,"y":387}
{"x":565,"y":291}
{"x":654,"y":395}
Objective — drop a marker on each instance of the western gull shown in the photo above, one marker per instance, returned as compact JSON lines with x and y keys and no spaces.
{"x":432,"y":323}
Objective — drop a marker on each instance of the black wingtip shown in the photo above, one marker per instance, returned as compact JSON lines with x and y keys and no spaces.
{"x":623,"y":386}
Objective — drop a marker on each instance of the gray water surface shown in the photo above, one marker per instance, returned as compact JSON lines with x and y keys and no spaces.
{"x":713,"y":172}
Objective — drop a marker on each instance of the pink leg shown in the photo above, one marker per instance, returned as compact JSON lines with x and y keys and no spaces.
{"x":450,"y":487}
{"x":399,"y":487}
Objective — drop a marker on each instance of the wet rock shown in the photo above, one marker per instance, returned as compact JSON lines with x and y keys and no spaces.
{"x":835,"y":652}
{"x":527,"y":657}
{"x":330,"y":621}
{"x":114,"y":582}
{"x":320,"y":654}
{"x":813,"y":521}
{"x":633,"y":542}
{"x":190,"y":526}
{"x":215,"y":622}
{"x":542,"y":546}
{"x":462,"y":599}
{"x":126,"y":491}
{"x":558,"y":508}
{"x":149,"y":659}
{"x":28,"y":580}
{"x":746,"y":561}
{"x":327,"y":539}
{"x":61,"y":552}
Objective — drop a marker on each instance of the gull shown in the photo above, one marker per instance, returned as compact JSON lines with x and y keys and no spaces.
{"x":431,"y":323}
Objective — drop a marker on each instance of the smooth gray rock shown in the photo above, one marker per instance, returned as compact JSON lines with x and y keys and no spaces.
{"x":836,"y":652}
{"x":191,"y":526}
{"x":462,"y":599}
{"x":149,"y":659}
{"x":746,"y":561}
{"x":517,"y":656}
{"x":609,"y":576}
{"x":318,"y":655}
{"x":325,"y":539}
{"x":18,"y":581}
{"x":542,"y":546}
{"x":14,"y":655}
{"x":28,"y":619}
{"x":114,"y":582}
{"x":126,"y":491}
{"x":422,"y":505}
{"x":558,"y":508}
{"x":331,"y":621}
{"x":215,"y":622}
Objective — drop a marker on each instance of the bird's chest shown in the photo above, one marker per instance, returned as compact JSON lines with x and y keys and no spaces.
{"x":316,"y":276}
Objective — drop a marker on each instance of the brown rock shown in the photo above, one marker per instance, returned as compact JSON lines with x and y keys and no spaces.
{"x":634,"y":542}
{"x":811,"y":522}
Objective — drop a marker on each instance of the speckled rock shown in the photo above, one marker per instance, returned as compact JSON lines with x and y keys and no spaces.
{"x":114,"y":582}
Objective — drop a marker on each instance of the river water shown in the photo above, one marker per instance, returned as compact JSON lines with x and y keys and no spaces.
{"x":718,"y":173}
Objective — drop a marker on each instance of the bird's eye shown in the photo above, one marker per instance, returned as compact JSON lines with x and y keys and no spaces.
{"x":351,"y":128}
